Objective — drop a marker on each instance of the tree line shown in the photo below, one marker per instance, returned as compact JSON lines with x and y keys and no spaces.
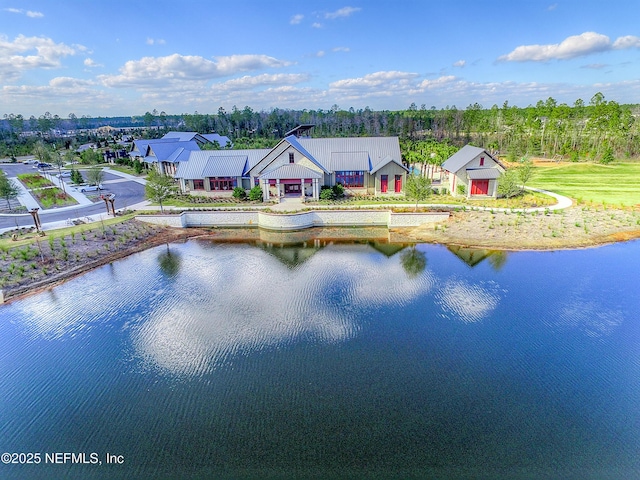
{"x":597,"y":130}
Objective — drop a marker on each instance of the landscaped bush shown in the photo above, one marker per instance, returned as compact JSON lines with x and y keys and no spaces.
{"x":338,"y":190}
{"x":255,"y":193}
{"x":462,"y":189}
{"x":239,"y":193}
{"x":326,"y":193}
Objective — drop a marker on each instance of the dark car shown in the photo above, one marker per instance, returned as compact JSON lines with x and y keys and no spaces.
{"x":42,"y":165}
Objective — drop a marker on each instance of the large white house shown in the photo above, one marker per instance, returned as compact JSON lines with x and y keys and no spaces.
{"x":299,"y":166}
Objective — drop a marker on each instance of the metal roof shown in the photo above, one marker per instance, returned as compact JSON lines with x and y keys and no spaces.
{"x":463,"y":156}
{"x":167,"y":152}
{"x":483,"y":173}
{"x":214,"y":137}
{"x":387,"y":161}
{"x":349,"y":161}
{"x":377,"y":148}
{"x":291,"y":170}
{"x":219,"y":166}
{"x":199,"y":161}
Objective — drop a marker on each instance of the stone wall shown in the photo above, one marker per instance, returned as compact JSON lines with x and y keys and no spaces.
{"x":295,"y":221}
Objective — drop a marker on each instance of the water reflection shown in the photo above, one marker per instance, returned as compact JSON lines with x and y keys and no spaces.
{"x":468,"y":302}
{"x":413,"y":261}
{"x":169,"y":262}
{"x":237,"y":299}
{"x":474,"y":256}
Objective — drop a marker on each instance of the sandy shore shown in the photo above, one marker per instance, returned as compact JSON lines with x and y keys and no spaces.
{"x":25,"y":270}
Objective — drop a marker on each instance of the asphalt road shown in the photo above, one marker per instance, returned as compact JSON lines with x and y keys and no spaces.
{"x":127,"y":193}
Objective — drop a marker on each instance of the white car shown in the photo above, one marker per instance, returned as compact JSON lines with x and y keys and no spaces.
{"x":63,"y":174}
{"x":30,"y":161}
{"x":90,"y":188}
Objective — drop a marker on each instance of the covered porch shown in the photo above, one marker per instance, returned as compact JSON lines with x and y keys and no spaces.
{"x":291,"y":180}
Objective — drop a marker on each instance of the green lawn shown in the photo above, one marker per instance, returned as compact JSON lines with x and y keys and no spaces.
{"x":614,"y":184}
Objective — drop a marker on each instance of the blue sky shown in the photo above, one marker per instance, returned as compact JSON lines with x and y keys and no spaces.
{"x":128,"y":57}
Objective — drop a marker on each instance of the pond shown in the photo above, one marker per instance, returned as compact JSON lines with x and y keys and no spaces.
{"x":328,"y":359}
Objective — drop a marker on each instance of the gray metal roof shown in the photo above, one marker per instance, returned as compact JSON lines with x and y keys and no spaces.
{"x":169,"y":151}
{"x":214,"y":137}
{"x":349,"y":161}
{"x":199,"y":161}
{"x":387,"y":161}
{"x":377,"y":148}
{"x":225,"y":166}
{"x":483,"y":173}
{"x":291,"y":170}
{"x":463,"y":156}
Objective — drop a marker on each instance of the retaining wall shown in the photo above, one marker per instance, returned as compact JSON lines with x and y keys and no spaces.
{"x":295,"y":221}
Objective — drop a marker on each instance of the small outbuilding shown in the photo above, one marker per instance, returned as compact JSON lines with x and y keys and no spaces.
{"x":474,"y":172}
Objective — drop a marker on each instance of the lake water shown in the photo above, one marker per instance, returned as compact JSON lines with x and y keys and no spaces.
{"x":329,"y":360}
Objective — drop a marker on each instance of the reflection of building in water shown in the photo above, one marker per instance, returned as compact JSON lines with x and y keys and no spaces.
{"x":473,"y":256}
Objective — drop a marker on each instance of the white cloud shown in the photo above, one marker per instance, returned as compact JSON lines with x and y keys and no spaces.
{"x":628,"y":41}
{"x":316,"y":25}
{"x":248,"y":82}
{"x":155,"y":41}
{"x":341,"y":49}
{"x":460,"y":63}
{"x":320,"y":53}
{"x":551,"y":8}
{"x":296,"y":19}
{"x":575,"y":46}
{"x":180,"y":68}
{"x":342,"y":13}
{"x":373,"y":80}
{"x":28,"y":13}
{"x":88,"y":62}
{"x":438,"y":82}
{"x":29,"y":53}
{"x":595,"y":66}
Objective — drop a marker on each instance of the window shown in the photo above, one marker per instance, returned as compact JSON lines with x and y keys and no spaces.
{"x":398,"y":184}
{"x":384,"y":183}
{"x":350,"y":178}
{"x":482,"y":161}
{"x":222,"y":183}
{"x":290,"y":157}
{"x":198,"y":184}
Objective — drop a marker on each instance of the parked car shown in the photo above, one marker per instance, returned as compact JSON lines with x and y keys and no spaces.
{"x":42,"y":165}
{"x":91,"y":188}
{"x":30,"y":161}
{"x":63,"y":174}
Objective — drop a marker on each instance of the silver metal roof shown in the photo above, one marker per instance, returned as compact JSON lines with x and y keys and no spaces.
{"x":291,"y":170}
{"x":387,"y":161}
{"x":199,"y":161}
{"x":462,"y":157}
{"x":219,"y":166}
{"x":349,"y":161}
{"x":483,"y":173}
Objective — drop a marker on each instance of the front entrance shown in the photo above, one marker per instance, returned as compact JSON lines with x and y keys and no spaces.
{"x":480,"y":187}
{"x":384,"y":183}
{"x":398,"y":184}
{"x":292,"y":188}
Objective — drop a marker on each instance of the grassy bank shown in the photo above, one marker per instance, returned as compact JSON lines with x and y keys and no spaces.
{"x":615,"y":184}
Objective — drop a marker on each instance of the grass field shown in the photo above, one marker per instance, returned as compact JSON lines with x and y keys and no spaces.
{"x":615,"y":184}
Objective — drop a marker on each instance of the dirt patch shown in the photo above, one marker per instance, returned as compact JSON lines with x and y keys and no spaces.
{"x":571,"y":228}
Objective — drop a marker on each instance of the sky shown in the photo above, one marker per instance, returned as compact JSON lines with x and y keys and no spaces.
{"x":125,"y":58}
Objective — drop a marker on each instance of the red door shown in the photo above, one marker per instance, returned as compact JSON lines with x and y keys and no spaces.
{"x":398,"y":185}
{"x":384,"y":183}
{"x":480,"y":187}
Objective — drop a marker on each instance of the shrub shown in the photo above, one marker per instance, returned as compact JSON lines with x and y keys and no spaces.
{"x":326,"y":193}
{"x":338,"y":190}
{"x":255,"y":193}
{"x":240,"y":193}
{"x":461,"y":189}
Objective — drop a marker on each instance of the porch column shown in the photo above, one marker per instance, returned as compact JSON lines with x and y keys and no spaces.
{"x":315,"y":188}
{"x":302,"y":188}
{"x":265,"y":189}
{"x":278,"y":186}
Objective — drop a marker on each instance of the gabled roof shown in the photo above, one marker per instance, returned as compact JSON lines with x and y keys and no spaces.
{"x":376,"y":148}
{"x":214,"y":137}
{"x":181,"y":136}
{"x":295,"y":143}
{"x":387,"y":161}
{"x":291,"y":170}
{"x":170,"y":151}
{"x":463,"y":156}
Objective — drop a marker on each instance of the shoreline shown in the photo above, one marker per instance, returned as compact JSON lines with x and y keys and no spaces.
{"x":574,"y":228}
